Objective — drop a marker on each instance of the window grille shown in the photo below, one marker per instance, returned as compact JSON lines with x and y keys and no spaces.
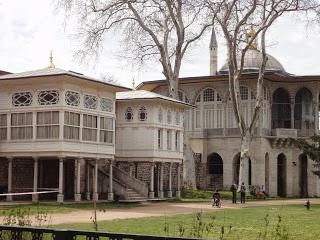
{"x":142,"y":114}
{"x":20,"y":99}
{"x":72,"y":98}
{"x":106,"y":104}
{"x":182,"y":97}
{"x":129,"y":114}
{"x":244,"y":93}
{"x":208,"y":95}
{"x":90,"y":101}
{"x":49,"y":97}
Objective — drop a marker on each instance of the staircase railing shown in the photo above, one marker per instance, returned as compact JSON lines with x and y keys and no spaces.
{"x":130,"y":181}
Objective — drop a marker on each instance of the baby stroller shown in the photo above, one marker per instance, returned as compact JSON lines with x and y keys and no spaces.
{"x":216,"y":200}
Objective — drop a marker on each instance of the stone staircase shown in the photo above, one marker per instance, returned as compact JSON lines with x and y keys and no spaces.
{"x":133,"y":195}
{"x":127,"y":187}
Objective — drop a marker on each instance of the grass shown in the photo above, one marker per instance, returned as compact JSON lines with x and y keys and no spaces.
{"x":64,"y":208}
{"x":245,"y":223}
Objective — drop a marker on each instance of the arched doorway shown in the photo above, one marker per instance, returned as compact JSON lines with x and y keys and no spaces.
{"x":215,"y":171}
{"x":303,"y":175}
{"x":236,"y":168}
{"x":281,"y":109}
{"x":282,"y":175}
{"x":266,"y":172}
{"x":303,"y":111}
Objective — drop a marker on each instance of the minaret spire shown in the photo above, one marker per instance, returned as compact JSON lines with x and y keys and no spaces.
{"x":51,"y":65}
{"x":213,"y":47}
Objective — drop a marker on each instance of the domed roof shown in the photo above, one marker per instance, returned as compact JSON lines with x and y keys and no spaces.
{"x":253,"y":60}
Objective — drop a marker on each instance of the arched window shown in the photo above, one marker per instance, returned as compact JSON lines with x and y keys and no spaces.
{"x":129,"y":114}
{"x":303,"y":111}
{"x":281,"y":109}
{"x":209,"y":112}
{"x":282,"y":175}
{"x":142,"y":114}
{"x":215,"y":171}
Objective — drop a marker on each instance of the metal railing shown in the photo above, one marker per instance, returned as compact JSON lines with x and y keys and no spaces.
{"x":35,"y":233}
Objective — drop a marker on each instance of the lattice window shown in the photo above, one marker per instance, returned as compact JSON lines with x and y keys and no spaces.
{"x":48,"y":97}
{"x":244,"y":93}
{"x":106,"y":104}
{"x":72,"y":98}
{"x":20,"y":99}
{"x":169,"y":117}
{"x":160,"y":115}
{"x":90,"y":101}
{"x":129,"y":114}
{"x":208,"y":95}
{"x":143,"y":114}
{"x":266,"y":95}
{"x":252,"y":95}
{"x":198,"y":98}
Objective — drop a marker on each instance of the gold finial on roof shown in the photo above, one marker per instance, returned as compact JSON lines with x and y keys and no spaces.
{"x":251,"y":34}
{"x":51,"y":65}
{"x":133,"y":84}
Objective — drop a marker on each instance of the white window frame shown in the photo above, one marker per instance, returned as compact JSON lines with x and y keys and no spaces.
{"x":89,"y":128}
{"x":50,"y":126}
{"x":105,"y":131}
{"x":70,"y":126}
{"x":24,"y":126}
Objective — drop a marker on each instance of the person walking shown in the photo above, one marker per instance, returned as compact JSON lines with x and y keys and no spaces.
{"x":243,"y":193}
{"x":233,"y":189}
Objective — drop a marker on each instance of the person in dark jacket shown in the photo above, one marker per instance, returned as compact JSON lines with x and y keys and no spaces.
{"x":233,"y":189}
{"x":243,"y":193}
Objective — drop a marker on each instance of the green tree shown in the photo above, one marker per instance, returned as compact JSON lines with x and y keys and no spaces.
{"x":311,"y":148}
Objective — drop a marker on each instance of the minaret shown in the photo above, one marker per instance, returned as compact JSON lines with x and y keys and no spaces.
{"x":213,"y":54}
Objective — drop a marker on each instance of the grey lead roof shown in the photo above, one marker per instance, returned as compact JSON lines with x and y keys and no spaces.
{"x":53,"y":72}
{"x":213,"y":40}
{"x":143,"y":94}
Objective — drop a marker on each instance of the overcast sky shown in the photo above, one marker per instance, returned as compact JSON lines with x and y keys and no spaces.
{"x":30,"y":29}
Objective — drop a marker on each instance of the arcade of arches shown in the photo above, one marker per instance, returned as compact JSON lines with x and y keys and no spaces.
{"x":216,"y":165}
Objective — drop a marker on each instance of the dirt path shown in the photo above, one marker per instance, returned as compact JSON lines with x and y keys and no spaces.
{"x":160,"y":209}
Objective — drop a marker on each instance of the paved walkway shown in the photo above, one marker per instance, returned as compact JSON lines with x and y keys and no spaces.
{"x":160,"y":209}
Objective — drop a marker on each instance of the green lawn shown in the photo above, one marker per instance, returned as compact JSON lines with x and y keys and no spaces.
{"x":245,"y":223}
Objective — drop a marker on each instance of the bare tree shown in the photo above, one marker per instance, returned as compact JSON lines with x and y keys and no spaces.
{"x":150,"y":29}
{"x":243,"y":23}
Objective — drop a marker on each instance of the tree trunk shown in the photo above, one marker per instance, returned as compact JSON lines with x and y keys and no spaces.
{"x":173,"y":87}
{"x":244,"y":160}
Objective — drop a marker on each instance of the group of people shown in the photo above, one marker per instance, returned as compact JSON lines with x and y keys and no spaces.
{"x":234,"y":189}
{"x":216,"y":198}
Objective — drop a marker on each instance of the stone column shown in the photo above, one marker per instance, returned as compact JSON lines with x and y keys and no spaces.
{"x":60,"y":197}
{"x":110,"y":191}
{"x":95,"y":195}
{"x":178,"y":192}
{"x":77,"y":195}
{"x":88,"y":182}
{"x":9,"y":197}
{"x":151,"y":192}
{"x":292,"y":113}
{"x":35,"y":197}
{"x":170,"y":181}
{"x":161,"y":195}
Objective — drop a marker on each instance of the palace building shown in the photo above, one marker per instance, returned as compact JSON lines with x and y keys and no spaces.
{"x":74,"y":138}
{"x":290,"y":110}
